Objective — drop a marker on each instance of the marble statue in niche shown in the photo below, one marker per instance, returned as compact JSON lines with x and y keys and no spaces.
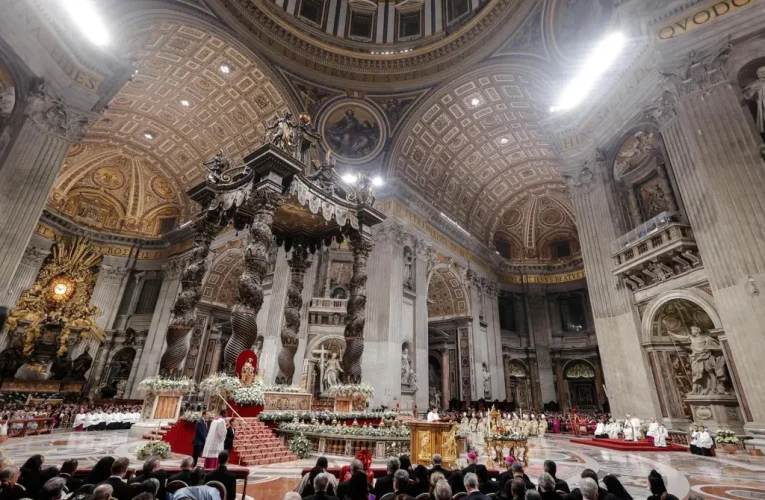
{"x":332,"y":371}
{"x":708,"y":372}
{"x":406,"y":367}
{"x":486,"y":381}
{"x":408,"y":262}
{"x":258,"y":346}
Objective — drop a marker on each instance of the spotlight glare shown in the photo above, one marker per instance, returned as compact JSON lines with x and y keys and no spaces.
{"x":350,"y":178}
{"x":225,"y":69}
{"x":475,"y":101}
{"x":378,"y":181}
{"x":85,"y":16}
{"x":185,"y":103}
{"x":148,"y":135}
{"x":599,"y":61}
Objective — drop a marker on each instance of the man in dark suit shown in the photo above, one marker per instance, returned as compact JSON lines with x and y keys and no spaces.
{"x":400,"y":482}
{"x":344,"y":489}
{"x":67,"y":472}
{"x":121,"y":491}
{"x":151,"y":470}
{"x":471,"y":486}
{"x":385,"y":484}
{"x":223,"y":476}
{"x":320,"y":484}
{"x":552,"y":468}
{"x":437,"y":467}
{"x":603,"y":494}
{"x":185,"y":474}
{"x":200,"y":436}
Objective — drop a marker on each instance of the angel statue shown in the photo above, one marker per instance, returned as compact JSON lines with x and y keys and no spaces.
{"x":325,"y":176}
{"x":281,"y":132}
{"x":216,"y":166}
{"x":756,"y":91}
{"x":364,"y":186}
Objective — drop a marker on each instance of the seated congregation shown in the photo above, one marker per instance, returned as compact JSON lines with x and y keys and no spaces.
{"x":112,"y":479}
{"x":475,"y":482}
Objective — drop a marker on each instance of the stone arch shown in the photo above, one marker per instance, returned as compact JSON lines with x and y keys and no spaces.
{"x":447,"y":294}
{"x":8,"y":94}
{"x":220,"y":283}
{"x":319,"y":339}
{"x":572,"y":362}
{"x":693,"y":295}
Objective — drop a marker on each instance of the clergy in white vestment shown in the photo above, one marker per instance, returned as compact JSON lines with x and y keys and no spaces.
{"x":704,"y":442}
{"x":694,"y":440}
{"x":652,"y":428}
{"x":661,"y":435}
{"x":214,"y":442}
{"x":433,"y":415}
{"x":79,"y":420}
{"x":631,"y":429}
{"x":600,"y":430}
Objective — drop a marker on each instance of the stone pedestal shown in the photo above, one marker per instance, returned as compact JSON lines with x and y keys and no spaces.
{"x":717,"y":411}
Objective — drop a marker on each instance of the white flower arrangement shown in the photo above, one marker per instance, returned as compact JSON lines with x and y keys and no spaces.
{"x":158,"y":449}
{"x":352,"y":390}
{"x":346,"y":430}
{"x":324,"y":416}
{"x":191,"y":416}
{"x":255,"y":394}
{"x":505,"y":437}
{"x":159,"y":383}
{"x":218,"y":382}
{"x":300,"y":446}
{"x":724,"y":436}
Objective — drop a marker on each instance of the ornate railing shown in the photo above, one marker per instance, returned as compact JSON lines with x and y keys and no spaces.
{"x":348,"y":445}
{"x":29,"y":427}
{"x":656,"y":251}
{"x":327,"y":311}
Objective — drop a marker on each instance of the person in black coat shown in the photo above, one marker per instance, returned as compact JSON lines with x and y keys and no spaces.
{"x":67,"y":473}
{"x":121,"y":490}
{"x":228,"y":443}
{"x":9,"y":490}
{"x":385,"y":484}
{"x":422,"y":484}
{"x":485,"y":485}
{"x":552,"y":468}
{"x":31,"y":475}
{"x":101,"y":471}
{"x":185,"y":474}
{"x":200,"y":436}
{"x":223,"y":476}
{"x":151,"y":470}
{"x":603,"y":493}
{"x":437,"y":467}
{"x":320,"y":484}
{"x":356,"y":488}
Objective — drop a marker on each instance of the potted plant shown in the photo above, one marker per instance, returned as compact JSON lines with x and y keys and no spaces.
{"x":727,"y":440}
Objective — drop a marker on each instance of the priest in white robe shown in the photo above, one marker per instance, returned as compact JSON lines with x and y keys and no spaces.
{"x":214,"y":442}
{"x":600,"y":430}
{"x":631,"y":428}
{"x":660,"y":436}
{"x":652,"y":428}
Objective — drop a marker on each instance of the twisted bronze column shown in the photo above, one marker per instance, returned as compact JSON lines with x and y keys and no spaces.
{"x":356,"y":315}
{"x":263,"y":204}
{"x":298,"y":264}
{"x":184,"y":309}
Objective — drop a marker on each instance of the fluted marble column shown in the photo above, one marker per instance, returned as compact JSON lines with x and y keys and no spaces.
{"x":25,"y":274}
{"x":140,"y":342}
{"x":720,"y":174}
{"x":498,"y":371}
{"x":630,"y":384}
{"x":28,"y":171}
{"x":107,"y":293}
{"x":506,"y":377}
{"x":148,"y":365}
{"x":445,"y":396}
{"x":421,"y":324}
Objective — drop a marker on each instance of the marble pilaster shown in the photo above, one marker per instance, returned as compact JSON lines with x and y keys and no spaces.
{"x":140,"y":342}
{"x":421,"y":330}
{"x":107,"y":293}
{"x":498,"y":372}
{"x":539,"y":325}
{"x":445,"y":396}
{"x":155,"y":339}
{"x":271,"y":342}
{"x":29,"y":168}
{"x":715,"y":155}
{"x":25,"y":274}
{"x":630,"y":385}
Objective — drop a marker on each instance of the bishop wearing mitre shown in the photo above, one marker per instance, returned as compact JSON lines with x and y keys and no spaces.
{"x":214,"y":442}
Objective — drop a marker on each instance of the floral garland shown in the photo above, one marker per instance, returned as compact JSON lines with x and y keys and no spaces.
{"x":725,"y":436}
{"x":255,"y":394}
{"x":364,"y":390}
{"x":347,"y":430}
{"x":300,"y":446}
{"x":505,"y":437}
{"x":159,"y":383}
{"x":158,"y":449}
{"x":219,"y":382}
{"x":323,"y":416}
{"x":191,"y":416}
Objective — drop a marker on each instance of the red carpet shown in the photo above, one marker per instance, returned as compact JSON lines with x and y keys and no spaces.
{"x":618,"y":444}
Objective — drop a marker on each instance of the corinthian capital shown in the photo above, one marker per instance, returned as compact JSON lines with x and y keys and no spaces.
{"x":663,"y":110}
{"x":581,"y":180}
{"x":54,"y":116}
{"x":700,"y":71}
{"x":34,"y":256}
{"x":114,"y":273}
{"x":173,"y":268}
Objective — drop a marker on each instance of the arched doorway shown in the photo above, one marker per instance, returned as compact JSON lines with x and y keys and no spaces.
{"x":321,"y":351}
{"x":518,"y":385}
{"x":579,"y":380}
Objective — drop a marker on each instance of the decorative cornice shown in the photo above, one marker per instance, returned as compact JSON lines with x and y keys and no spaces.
{"x":34,"y":256}
{"x":174,"y":268}
{"x":65,"y":225}
{"x":114,"y":273}
{"x":54,"y":116}
{"x":699,"y":72}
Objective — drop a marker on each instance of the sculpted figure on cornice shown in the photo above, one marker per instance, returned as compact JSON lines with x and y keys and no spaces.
{"x":663,"y":110}
{"x":755,"y":91}
{"x":216,"y":166}
{"x":701,"y":71}
{"x":54,"y":116}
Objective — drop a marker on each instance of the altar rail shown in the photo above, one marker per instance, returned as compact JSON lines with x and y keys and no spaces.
{"x":22,"y":426}
{"x":339,"y":444}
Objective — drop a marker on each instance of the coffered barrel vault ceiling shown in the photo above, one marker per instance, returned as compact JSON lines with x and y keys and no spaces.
{"x":475,"y":149}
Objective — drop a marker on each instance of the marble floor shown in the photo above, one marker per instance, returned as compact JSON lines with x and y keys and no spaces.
{"x":729,"y":477}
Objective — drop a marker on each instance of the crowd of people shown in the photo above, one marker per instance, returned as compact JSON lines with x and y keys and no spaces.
{"x":405,"y":482}
{"x":107,"y":480}
{"x":78,"y":416}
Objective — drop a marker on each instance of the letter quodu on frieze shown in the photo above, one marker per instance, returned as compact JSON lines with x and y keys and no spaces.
{"x":700,"y":17}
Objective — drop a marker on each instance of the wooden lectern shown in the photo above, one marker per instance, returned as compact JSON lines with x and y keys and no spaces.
{"x":431,"y":438}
